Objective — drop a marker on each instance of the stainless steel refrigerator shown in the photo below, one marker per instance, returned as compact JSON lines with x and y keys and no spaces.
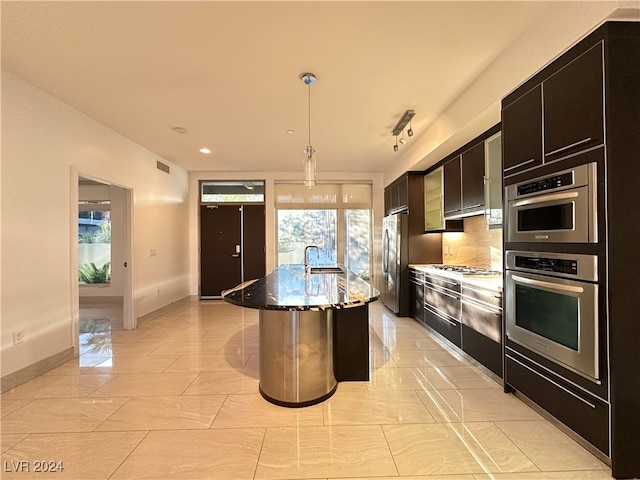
{"x":395,"y":269}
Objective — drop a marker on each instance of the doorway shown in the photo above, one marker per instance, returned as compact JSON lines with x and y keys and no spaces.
{"x":232,"y":235}
{"x":101,"y":273}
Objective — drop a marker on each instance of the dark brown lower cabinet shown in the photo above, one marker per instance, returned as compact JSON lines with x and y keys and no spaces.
{"x":585,"y":414}
{"x":351,"y":344}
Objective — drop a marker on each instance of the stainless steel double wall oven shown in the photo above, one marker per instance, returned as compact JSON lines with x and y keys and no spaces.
{"x":551,"y":286}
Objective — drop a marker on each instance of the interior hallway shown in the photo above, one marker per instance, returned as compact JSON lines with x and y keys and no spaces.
{"x":178,"y":398}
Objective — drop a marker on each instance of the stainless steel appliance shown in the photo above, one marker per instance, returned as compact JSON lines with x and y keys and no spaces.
{"x":559,"y":207}
{"x":395,"y":263}
{"x":551,"y":307}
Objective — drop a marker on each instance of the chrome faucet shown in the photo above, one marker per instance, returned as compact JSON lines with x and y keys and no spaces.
{"x":306,"y":256}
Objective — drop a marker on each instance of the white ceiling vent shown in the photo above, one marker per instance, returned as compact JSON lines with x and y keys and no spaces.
{"x":162,"y":166}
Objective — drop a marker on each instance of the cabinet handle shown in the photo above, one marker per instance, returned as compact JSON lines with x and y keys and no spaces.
{"x":484,"y":309}
{"x":551,"y":381}
{"x":585,"y":140}
{"x":546,"y":198}
{"x":520,"y":164}
{"x":440,"y":315}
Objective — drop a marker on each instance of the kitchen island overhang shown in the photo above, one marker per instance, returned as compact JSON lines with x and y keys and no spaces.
{"x":314,"y":331}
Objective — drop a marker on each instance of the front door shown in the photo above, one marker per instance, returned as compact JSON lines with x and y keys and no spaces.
{"x":232,"y":246}
{"x":220,"y":256}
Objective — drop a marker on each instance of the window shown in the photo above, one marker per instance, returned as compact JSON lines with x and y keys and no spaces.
{"x":94,"y":242}
{"x":334,"y":217}
{"x":232,"y":192}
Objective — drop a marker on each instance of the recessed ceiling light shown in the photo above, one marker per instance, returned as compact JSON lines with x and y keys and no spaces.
{"x":291,"y":132}
{"x":205,"y":150}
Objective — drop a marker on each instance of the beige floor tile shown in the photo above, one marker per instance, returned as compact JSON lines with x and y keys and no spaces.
{"x":429,"y":358}
{"x":222,"y":382}
{"x":414,"y":477}
{"x":577,"y":475}
{"x":58,"y":386}
{"x":202,"y":363}
{"x":223,"y":454}
{"x":138,"y":348}
{"x":312,"y":452}
{"x":381,"y":359}
{"x":493,"y":450}
{"x":433,"y":449}
{"x":61,"y":415}
{"x":476,"y":405}
{"x":165,"y":413}
{"x":409,"y":378}
{"x":84,"y":456}
{"x":189,"y":348}
{"x":468,"y":377}
{"x":251,"y":410}
{"x":549,"y":448}
{"x":8,"y":405}
{"x":10,"y":440}
{"x":252,"y":367}
{"x":115,"y":365}
{"x":379,"y":407}
{"x":145,"y":384}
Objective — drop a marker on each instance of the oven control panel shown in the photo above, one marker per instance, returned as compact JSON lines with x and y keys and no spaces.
{"x":547,"y":183}
{"x":557,"y":265}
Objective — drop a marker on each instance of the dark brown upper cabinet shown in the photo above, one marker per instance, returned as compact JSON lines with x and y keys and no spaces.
{"x":396,"y":196}
{"x":573,"y":105}
{"x":452,"y":187}
{"x":522,"y":132}
{"x":473,"y":175}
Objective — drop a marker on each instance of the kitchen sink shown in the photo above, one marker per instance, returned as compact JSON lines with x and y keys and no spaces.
{"x":326,"y":269}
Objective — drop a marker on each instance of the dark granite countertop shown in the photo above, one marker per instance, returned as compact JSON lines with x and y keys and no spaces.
{"x":289,"y":287}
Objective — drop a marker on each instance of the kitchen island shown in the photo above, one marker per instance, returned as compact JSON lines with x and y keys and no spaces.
{"x":314,"y":330}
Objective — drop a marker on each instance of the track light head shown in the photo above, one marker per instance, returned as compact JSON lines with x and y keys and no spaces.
{"x":410,"y":132}
{"x":395,"y":148}
{"x":403,"y":140}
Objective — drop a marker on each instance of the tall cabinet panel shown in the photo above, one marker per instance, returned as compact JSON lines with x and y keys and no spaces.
{"x":590,"y":104}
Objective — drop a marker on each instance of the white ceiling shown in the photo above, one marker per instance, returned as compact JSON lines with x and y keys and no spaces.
{"x":228,"y":72}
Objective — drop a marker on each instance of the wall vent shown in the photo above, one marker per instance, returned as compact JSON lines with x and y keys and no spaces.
{"x":162,"y":166}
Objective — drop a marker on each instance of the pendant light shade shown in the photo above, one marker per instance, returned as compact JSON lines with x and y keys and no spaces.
{"x":310,"y":161}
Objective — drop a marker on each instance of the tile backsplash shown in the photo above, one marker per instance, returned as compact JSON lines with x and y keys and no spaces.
{"x":477,"y":246}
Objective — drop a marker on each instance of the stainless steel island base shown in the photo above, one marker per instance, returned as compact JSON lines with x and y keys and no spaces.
{"x":296,"y":356}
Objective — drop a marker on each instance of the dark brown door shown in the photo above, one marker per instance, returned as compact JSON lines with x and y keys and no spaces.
{"x":253,"y":228}
{"x":452,"y":187}
{"x":473,"y":177}
{"x":522,"y":132}
{"x":220,"y":256}
{"x":232,"y":246}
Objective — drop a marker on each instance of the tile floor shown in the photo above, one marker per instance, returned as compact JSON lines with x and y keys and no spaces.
{"x":178,"y":399}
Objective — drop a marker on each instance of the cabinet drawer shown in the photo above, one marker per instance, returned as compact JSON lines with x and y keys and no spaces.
{"x":582,"y":413}
{"x":445,"y":326}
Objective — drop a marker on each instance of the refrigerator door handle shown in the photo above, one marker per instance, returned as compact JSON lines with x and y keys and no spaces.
{"x":385,"y":252}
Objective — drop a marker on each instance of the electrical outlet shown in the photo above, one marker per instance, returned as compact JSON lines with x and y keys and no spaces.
{"x":18,"y":337}
{"x":152,"y":252}
{"x":157,"y":292}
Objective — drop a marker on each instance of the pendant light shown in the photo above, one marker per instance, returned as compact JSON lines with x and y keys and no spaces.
{"x":310,"y":161}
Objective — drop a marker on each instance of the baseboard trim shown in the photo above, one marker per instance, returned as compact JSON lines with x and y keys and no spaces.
{"x":34,"y":370}
{"x":161,"y":311}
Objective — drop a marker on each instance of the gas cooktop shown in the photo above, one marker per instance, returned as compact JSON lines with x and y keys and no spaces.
{"x":464,"y":270}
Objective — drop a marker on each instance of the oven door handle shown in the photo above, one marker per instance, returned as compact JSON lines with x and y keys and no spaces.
{"x":548,"y":285}
{"x":546,"y":198}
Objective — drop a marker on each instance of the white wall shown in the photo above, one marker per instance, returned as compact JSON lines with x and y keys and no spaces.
{"x":270,"y":178}
{"x":45,"y":146}
{"x":478,"y":107}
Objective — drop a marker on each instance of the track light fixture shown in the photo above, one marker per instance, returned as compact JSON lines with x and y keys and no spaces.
{"x":400,"y":126}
